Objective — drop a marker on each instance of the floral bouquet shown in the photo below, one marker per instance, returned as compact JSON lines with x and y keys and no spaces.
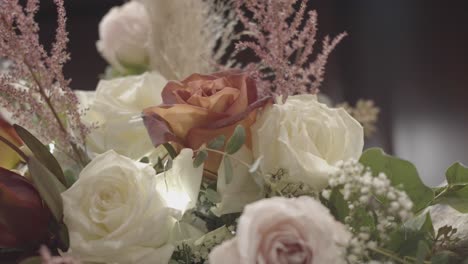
{"x":186,"y":153}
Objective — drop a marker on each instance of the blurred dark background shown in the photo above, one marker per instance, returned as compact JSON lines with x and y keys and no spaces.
{"x":410,"y":57}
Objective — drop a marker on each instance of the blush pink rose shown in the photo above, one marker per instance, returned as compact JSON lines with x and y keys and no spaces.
{"x":284,"y":231}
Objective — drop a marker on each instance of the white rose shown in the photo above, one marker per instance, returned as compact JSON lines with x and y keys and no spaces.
{"x":282,"y":231}
{"x":117,"y":108}
{"x":124,"y":36}
{"x":306,"y":138}
{"x":115,"y":214}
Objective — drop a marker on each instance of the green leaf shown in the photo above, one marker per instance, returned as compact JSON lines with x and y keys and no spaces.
{"x":443,"y":257}
{"x":217,"y":143}
{"x":200,"y":158}
{"x":457,"y":174}
{"x":400,"y":172}
{"x":41,"y":152}
{"x":61,"y":232}
{"x":421,"y":223}
{"x":458,"y":199}
{"x":407,"y":238}
{"x":227,"y":169}
{"x":236,"y":141}
{"x":48,"y":187}
{"x":145,"y":160}
{"x":70,"y":178}
{"x":213,"y":196}
{"x":170,"y":150}
{"x":422,"y":252}
{"x":338,"y":206}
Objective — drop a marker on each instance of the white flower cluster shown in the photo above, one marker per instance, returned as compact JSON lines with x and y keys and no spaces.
{"x":368,"y":197}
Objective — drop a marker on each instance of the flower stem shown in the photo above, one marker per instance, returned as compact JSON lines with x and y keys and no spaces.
{"x":54,"y":113}
{"x":230,"y":156}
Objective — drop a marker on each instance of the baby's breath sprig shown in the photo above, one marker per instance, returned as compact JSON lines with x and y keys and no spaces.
{"x":373,"y":207}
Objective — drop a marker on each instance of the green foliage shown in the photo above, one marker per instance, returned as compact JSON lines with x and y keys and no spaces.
{"x":70,"y":177}
{"x":228,"y":173}
{"x":170,"y":150}
{"x":200,"y":157}
{"x":445,"y":257}
{"x":408,"y":238}
{"x":401,"y":173}
{"x":456,"y":198}
{"x":455,"y":194}
{"x":145,"y":160}
{"x":42,"y":153}
{"x":48,"y":187}
{"x":212,"y":196}
{"x":338,"y":206}
{"x":236,"y":141}
{"x":457,"y":174}
{"x":217,"y":143}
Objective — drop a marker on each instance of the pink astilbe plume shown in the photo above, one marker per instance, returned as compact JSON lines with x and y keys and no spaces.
{"x":34,"y":90}
{"x":284,"y":41}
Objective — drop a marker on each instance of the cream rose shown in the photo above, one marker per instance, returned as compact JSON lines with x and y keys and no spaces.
{"x":282,"y":231}
{"x":115,"y":214}
{"x":306,"y":138}
{"x":124,"y":36}
{"x":116,"y":108}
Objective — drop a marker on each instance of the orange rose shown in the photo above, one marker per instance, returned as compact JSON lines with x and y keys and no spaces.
{"x":8,"y":157}
{"x":203,"y":107}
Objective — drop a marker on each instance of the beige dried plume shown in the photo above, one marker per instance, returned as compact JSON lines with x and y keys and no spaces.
{"x":185,"y":35}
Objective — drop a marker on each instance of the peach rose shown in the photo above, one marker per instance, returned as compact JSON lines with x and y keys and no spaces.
{"x":202,"y":107}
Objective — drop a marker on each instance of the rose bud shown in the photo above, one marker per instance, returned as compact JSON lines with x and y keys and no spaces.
{"x":123,"y":37}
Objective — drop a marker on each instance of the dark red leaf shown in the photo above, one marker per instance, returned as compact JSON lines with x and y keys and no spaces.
{"x":24,"y":218}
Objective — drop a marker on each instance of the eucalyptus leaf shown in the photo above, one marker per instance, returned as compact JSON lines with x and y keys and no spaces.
{"x":228,"y":174}
{"x":213,"y":196}
{"x":217,"y":143}
{"x":48,"y":187}
{"x":200,"y":158}
{"x":457,"y":174}
{"x":236,"y":141}
{"x":41,"y":152}
{"x":400,"y":173}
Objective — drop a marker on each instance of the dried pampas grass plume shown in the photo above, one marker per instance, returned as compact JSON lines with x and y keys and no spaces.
{"x":188,"y":36}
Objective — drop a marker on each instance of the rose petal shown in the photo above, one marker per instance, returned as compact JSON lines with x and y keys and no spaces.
{"x":167,"y":123}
